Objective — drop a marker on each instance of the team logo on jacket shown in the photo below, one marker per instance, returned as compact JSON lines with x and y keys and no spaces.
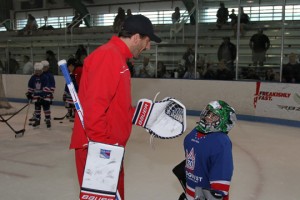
{"x":190,"y":159}
{"x":38,"y":85}
{"x":104,"y":153}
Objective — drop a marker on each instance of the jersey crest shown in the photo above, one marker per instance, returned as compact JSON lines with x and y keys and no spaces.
{"x":190,"y":159}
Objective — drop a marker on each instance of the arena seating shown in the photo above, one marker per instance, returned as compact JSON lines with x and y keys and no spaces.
{"x":170,"y":51}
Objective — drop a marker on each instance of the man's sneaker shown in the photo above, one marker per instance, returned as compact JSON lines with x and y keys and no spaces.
{"x":48,"y":123}
{"x":36,"y":123}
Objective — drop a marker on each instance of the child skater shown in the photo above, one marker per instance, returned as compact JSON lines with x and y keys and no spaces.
{"x":67,"y":98}
{"x":38,"y":92}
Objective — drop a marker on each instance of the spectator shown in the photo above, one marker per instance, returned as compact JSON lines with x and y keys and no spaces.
{"x":162,"y":71}
{"x":189,"y":58}
{"x":45,"y":26}
{"x":243,"y":22}
{"x":128,"y":13}
{"x":223,"y":72}
{"x":233,"y":18}
{"x":176,"y":15}
{"x":251,"y":74}
{"x":222,"y":15}
{"x":190,"y":73}
{"x":180,"y":71}
{"x":245,"y":19}
{"x":147,"y":70}
{"x":206,"y":70}
{"x":131,"y":67}
{"x":76,"y":21}
{"x":13,"y":65}
{"x":259,"y":43}
{"x":28,"y":66}
{"x":269,"y":75}
{"x":80,"y":55}
{"x":50,"y":57}
{"x":227,"y":52}
{"x":289,"y":70}
{"x":31,"y":25}
{"x":119,"y":20}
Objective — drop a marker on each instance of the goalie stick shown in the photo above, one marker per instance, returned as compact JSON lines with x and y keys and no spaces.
{"x":63,"y":66}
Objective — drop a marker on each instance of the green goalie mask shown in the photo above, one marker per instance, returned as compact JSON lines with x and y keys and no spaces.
{"x":217,"y":116}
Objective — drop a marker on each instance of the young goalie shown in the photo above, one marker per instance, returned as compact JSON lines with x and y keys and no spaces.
{"x":208,"y":166}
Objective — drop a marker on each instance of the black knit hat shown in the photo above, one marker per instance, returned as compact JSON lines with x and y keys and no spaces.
{"x":142,"y":25}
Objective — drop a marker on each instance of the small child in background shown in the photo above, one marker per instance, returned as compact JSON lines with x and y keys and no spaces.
{"x":38,"y":90}
{"x":67,"y":98}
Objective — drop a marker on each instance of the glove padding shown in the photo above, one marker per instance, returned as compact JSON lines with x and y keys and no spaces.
{"x":164,"y":119}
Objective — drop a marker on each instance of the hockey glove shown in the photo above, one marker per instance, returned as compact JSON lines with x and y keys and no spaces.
{"x":29,"y":95}
{"x":164,"y":119}
{"x":64,"y":98}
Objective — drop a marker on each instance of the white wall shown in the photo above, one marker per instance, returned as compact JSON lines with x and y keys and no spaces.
{"x":195,"y":94}
{"x":274,"y":100}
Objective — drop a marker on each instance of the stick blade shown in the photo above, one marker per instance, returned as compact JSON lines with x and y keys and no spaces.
{"x":19,"y":133}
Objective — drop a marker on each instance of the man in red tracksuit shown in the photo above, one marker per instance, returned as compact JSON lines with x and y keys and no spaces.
{"x":105,"y":91}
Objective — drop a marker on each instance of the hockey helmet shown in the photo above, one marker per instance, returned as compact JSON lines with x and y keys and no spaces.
{"x":45,"y":63}
{"x":38,"y":66}
{"x":217,"y":116}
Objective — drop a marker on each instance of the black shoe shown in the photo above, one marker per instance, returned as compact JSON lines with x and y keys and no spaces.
{"x":36,"y":123}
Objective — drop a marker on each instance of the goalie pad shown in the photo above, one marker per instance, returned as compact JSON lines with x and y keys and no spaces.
{"x":164,"y":119}
{"x":101,"y":173}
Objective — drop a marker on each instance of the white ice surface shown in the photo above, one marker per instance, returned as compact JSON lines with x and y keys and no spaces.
{"x":40,"y":165}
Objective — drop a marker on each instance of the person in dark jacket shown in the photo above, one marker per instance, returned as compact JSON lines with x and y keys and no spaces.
{"x":227,"y":52}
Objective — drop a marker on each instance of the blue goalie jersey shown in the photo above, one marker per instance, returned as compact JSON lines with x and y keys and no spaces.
{"x":209,"y":162}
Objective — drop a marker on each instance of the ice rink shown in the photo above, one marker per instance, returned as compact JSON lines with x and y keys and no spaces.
{"x":39,"y":166}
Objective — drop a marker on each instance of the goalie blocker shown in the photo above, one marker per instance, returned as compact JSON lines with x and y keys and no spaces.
{"x":164,"y":119}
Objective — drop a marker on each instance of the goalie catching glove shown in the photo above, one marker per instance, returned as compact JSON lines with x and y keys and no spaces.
{"x":164,"y":119}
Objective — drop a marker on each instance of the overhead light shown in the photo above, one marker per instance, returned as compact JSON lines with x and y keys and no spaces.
{"x":250,"y":1}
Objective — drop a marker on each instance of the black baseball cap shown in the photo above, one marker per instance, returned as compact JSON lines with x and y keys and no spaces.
{"x":142,"y":25}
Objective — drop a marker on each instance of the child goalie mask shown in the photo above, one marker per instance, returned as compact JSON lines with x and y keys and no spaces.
{"x":217,"y":116}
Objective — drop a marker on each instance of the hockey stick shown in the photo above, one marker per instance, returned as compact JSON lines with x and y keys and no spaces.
{"x":60,"y":118}
{"x":14,"y":114}
{"x":26,"y":116}
{"x":63,"y":66}
{"x":179,"y":172}
{"x":18,"y":133}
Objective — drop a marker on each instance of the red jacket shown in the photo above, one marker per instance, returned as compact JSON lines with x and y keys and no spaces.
{"x":105,"y":96}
